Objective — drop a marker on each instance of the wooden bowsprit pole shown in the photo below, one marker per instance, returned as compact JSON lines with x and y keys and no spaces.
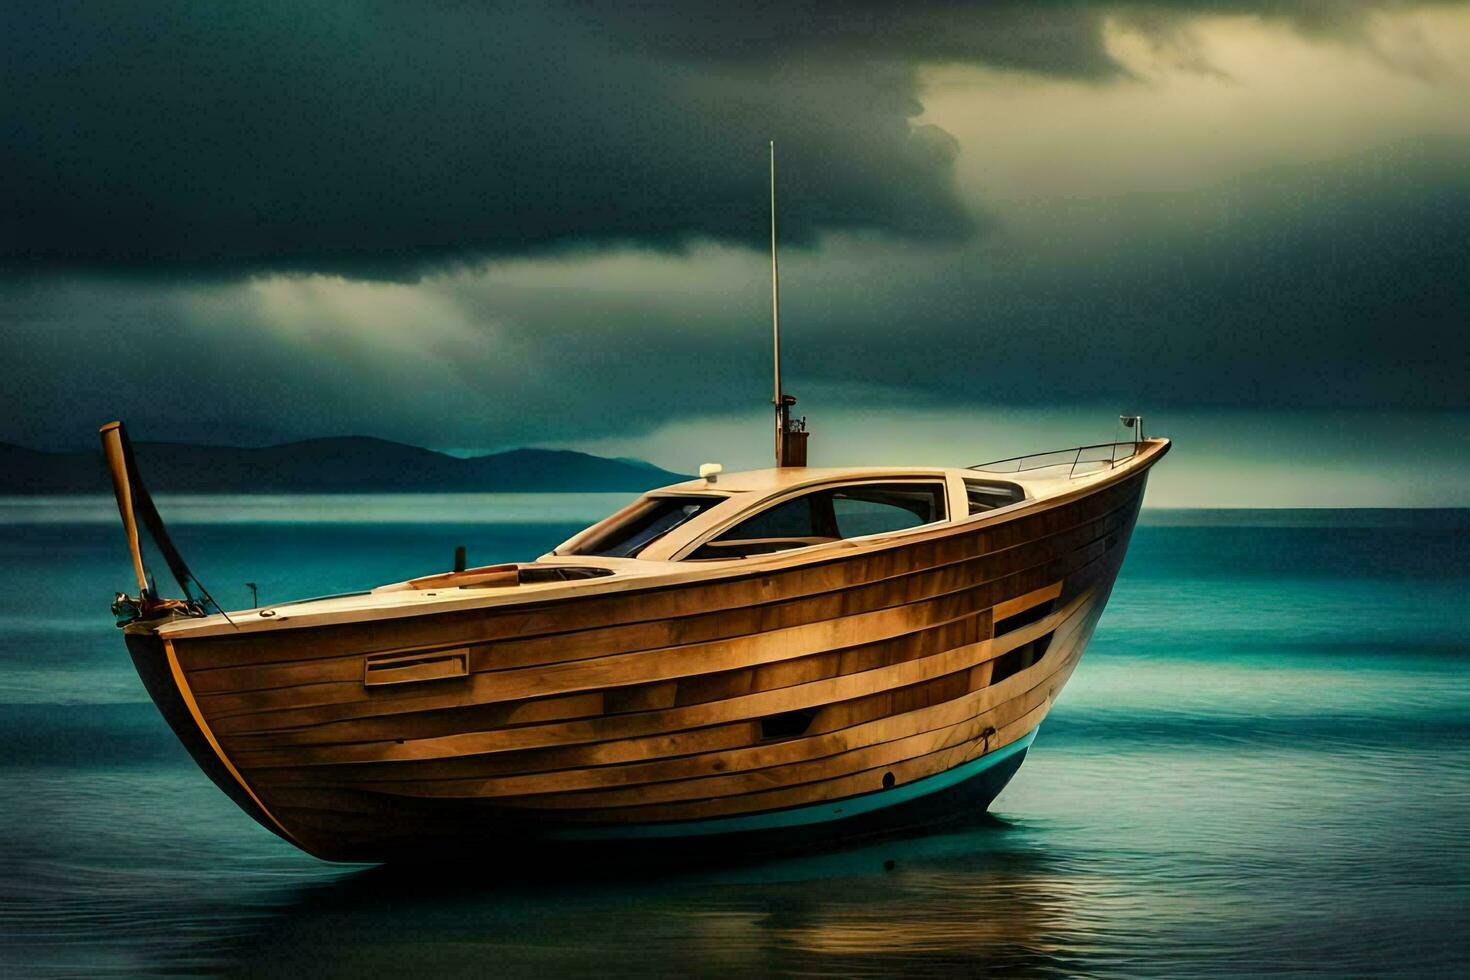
{"x":115,"y":451}
{"x":136,"y":507}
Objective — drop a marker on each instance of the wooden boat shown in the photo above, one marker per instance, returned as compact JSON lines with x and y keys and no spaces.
{"x":723,"y":677}
{"x":753,"y":659}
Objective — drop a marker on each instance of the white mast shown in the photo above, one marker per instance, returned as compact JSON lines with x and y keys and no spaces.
{"x":776,"y":316}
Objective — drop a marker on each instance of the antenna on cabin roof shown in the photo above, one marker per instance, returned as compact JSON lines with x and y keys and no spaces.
{"x":791,"y":435}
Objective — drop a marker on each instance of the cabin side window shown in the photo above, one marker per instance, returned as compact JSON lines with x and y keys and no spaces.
{"x":822,"y":516}
{"x":650,"y":520}
{"x":989,"y":494}
{"x":877,"y":508}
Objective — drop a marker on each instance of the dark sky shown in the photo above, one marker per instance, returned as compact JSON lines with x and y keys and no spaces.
{"x":477,"y":225}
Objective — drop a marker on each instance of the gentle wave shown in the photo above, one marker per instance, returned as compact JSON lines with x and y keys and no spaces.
{"x":1261,"y":766}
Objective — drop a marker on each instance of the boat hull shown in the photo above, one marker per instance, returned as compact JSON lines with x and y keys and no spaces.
{"x":837,"y":697}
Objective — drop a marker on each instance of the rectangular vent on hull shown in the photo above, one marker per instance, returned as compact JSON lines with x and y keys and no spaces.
{"x":1019,"y":659}
{"x":436,"y":666}
{"x":1025,"y":617}
{"x":788,"y":724}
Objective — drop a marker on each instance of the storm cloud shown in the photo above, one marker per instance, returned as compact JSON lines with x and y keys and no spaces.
{"x":378,"y":140}
{"x":1314,"y":287}
{"x":479,"y":226}
{"x":381,"y":139}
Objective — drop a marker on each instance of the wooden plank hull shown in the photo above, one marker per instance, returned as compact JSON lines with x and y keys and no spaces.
{"x":820,"y":699}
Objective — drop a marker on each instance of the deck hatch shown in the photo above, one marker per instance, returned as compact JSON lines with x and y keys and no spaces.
{"x":414,"y":667}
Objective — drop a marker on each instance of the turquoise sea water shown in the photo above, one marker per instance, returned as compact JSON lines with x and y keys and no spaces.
{"x":1261,"y":766}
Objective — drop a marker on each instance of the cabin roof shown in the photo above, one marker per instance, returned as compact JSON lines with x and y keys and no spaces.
{"x":764,"y":481}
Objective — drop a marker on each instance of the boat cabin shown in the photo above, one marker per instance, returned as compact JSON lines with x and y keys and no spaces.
{"x":761,"y":512}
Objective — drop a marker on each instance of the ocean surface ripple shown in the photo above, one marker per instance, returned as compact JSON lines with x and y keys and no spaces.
{"x":1262,"y":766}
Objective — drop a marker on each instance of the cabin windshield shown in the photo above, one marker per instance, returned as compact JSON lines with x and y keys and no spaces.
{"x":650,"y":520}
{"x":829,"y":514}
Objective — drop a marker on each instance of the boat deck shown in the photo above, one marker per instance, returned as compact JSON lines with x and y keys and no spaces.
{"x":1044,"y":478}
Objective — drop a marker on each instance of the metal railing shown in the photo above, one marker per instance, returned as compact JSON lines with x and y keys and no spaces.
{"x":1102,"y":455}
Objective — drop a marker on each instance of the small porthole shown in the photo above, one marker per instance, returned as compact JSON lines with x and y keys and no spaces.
{"x":888,"y":780}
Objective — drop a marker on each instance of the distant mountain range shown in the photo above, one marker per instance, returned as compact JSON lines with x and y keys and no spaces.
{"x":338,"y":465}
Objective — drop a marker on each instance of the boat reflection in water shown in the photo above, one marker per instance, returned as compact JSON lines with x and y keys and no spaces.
{"x":979,"y":896}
